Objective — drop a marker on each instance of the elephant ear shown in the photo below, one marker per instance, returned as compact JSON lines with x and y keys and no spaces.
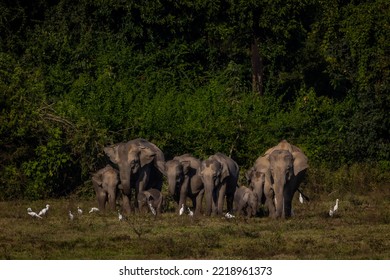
{"x":157,"y":156}
{"x":224,"y":171}
{"x":97,"y":179}
{"x":113,"y":153}
{"x":300,"y":162}
{"x":245,"y":197}
{"x":148,"y":195}
{"x":146,"y":155}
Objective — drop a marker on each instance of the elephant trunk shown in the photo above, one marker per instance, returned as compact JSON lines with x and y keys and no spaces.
{"x":258,"y":188}
{"x":278,"y":186}
{"x":209,"y":188}
{"x":124,"y":175}
{"x":173,"y":186}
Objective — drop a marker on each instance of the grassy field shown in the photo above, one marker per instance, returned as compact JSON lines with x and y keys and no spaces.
{"x":360,"y":230}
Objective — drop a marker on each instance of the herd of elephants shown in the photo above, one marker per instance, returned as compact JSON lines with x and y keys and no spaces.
{"x":272,"y":181}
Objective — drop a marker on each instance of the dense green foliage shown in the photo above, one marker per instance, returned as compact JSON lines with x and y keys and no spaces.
{"x":76,"y":76}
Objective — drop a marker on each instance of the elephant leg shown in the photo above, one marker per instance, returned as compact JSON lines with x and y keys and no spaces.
{"x":126,"y":203}
{"x":288,"y":195}
{"x":240,"y":206}
{"x":112,"y":200}
{"x":229,"y":202}
{"x":143,"y":180}
{"x":221,"y":198}
{"x":199,"y":200}
{"x":159,"y":206}
{"x":214,"y":201}
{"x":101,"y":198}
{"x":269,"y":202}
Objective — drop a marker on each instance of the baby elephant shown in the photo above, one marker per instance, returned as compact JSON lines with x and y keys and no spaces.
{"x":150,"y":200}
{"x":105,"y":182}
{"x":245,"y":201}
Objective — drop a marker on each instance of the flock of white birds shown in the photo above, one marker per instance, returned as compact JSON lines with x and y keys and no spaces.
{"x":45,"y":210}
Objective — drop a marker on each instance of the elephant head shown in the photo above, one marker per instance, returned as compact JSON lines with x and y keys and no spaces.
{"x":259,"y":175}
{"x":137,"y":160}
{"x":219,"y":174}
{"x":105,"y":182}
{"x":287,"y":171}
{"x":176,"y":172}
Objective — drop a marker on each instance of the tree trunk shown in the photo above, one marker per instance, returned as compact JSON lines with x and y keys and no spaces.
{"x":257,"y":68}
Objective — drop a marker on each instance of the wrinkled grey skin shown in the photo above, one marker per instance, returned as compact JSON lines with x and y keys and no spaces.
{"x":245,"y":201}
{"x":259,"y":180}
{"x":288,"y":170}
{"x":141,"y":166}
{"x":219,"y":174}
{"x":152,"y":196}
{"x":184,"y":181}
{"x":105,"y":182}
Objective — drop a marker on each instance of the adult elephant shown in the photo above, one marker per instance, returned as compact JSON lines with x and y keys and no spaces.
{"x":259,"y":180}
{"x":219,"y":174}
{"x":105,"y":182}
{"x":184,"y":181}
{"x":141,"y":167}
{"x":288,"y":167}
{"x":246,"y":201}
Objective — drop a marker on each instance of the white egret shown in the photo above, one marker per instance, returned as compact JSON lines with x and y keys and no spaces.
{"x":120,"y":217}
{"x":336,"y":206}
{"x":71,"y":215}
{"x":300,"y":198}
{"x":94,"y":209}
{"x":33,"y":214}
{"x":331,"y":212}
{"x":152,"y":209}
{"x":190,"y":213}
{"x":44,"y":210}
{"x":181,"y":211}
{"x":79,"y":210}
{"x":229,"y":216}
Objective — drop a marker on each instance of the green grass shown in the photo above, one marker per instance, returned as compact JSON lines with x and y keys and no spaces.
{"x":360,"y":230}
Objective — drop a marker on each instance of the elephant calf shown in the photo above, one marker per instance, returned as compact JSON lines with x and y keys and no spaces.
{"x":245,"y":201}
{"x":150,"y":200}
{"x":105,"y":182}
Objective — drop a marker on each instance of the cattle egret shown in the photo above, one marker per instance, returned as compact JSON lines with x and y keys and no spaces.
{"x":44,"y":210}
{"x":181,"y":211}
{"x":228,"y":215}
{"x":336,"y":206}
{"x":152,"y":209}
{"x":33,"y":214}
{"x":71,"y":215}
{"x":190,"y":213}
{"x":79,"y":210}
{"x":94,"y":209}
{"x":331,"y":212}
{"x":120,"y":217}
{"x":300,"y":198}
